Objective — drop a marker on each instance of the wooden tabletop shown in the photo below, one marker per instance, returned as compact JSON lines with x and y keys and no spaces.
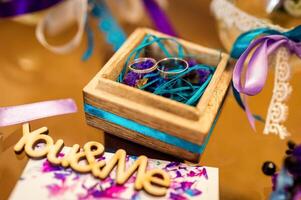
{"x":30,"y":73}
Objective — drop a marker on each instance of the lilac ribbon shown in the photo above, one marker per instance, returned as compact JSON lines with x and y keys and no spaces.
{"x":23,"y":113}
{"x":159,"y":18}
{"x":12,"y":8}
{"x":257,"y":69}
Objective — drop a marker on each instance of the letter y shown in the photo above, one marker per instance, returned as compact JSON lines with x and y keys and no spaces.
{"x":26,"y":135}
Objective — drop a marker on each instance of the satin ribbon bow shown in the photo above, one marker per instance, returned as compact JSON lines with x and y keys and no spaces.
{"x":257,"y":68}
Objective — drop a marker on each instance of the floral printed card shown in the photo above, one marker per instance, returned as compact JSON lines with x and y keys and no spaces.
{"x":41,"y":180}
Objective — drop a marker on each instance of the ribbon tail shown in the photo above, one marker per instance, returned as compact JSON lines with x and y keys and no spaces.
{"x":108,"y":25}
{"x":239,"y":101}
{"x":255,"y":76}
{"x":242,"y":102}
{"x":90,"y":43}
{"x":237,"y":97}
{"x":248,"y":112}
{"x":159,"y":18}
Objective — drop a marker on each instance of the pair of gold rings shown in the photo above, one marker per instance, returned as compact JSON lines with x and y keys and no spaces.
{"x":166,"y":66}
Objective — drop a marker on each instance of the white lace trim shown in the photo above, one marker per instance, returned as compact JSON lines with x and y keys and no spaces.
{"x":277,"y":112}
{"x":232,"y":16}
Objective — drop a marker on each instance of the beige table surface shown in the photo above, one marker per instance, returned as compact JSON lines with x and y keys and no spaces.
{"x":30,"y":73}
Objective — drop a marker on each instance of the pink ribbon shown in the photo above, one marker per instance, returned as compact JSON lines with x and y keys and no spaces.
{"x":257,"y":68}
{"x":23,"y":113}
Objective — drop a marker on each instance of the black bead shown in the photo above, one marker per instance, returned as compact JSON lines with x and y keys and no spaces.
{"x":288,"y":152}
{"x":291,"y":145}
{"x":268,"y":168}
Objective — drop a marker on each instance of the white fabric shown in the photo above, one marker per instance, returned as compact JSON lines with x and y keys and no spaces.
{"x":56,"y":21}
{"x":231,"y":15}
{"x":278,"y":110}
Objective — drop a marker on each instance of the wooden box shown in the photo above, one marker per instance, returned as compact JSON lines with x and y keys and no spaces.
{"x":151,"y":120}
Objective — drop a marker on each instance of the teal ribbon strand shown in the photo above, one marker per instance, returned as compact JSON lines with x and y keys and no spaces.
{"x":90,"y":43}
{"x":107,"y":24}
{"x":244,"y":40}
{"x":148,"y":131}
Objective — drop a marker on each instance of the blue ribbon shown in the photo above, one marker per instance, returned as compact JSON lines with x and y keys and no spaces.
{"x":148,"y":131}
{"x":107,"y":24}
{"x":244,"y":40}
{"x":90,"y":43}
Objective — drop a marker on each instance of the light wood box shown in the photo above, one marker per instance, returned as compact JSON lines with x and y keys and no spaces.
{"x":168,"y":126}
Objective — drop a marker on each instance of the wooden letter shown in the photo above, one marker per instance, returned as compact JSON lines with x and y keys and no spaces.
{"x":30,"y":139}
{"x":54,"y":151}
{"x":91,"y":150}
{"x":66,"y":160}
{"x":123,"y":174}
{"x":161,"y":184}
{"x":74,"y":162}
{"x":33,"y":141}
{"x":26,"y":135}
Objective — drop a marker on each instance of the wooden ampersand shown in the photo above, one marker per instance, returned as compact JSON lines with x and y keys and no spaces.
{"x":154,"y":181}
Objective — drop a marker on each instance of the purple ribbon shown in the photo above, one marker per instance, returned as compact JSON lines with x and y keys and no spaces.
{"x":10,"y":8}
{"x":257,"y":68}
{"x":159,"y":18}
{"x":23,"y":113}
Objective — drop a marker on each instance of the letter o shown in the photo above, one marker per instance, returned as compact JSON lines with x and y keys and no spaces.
{"x":33,"y":141}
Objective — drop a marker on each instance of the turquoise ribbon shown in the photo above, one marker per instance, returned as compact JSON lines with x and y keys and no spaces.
{"x":148,"y":131}
{"x":190,"y":99}
{"x":114,"y":34}
{"x":90,"y":43}
{"x":245,"y":39}
{"x":108,"y":25}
